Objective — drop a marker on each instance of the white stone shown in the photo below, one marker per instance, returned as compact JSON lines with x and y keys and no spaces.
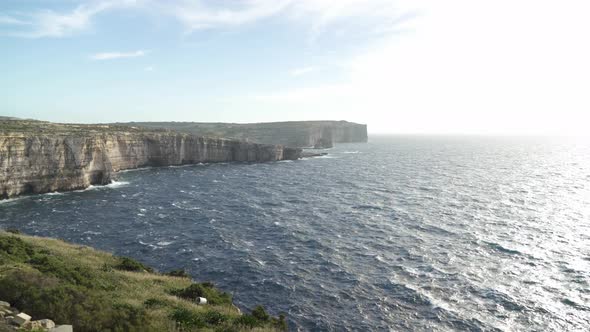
{"x":44,"y":323}
{"x":21,"y":319}
{"x":4,"y":304}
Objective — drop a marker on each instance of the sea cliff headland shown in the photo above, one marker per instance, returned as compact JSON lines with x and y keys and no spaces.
{"x":40,"y":157}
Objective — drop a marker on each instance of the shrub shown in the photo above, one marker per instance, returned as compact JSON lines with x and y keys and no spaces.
{"x":47,"y":296}
{"x":187,"y":318}
{"x":181,"y":273}
{"x":248,"y":321}
{"x":205,"y":290}
{"x":62,"y":270}
{"x":14,"y":249}
{"x":130,"y":264}
{"x":214,"y":318}
{"x":12,"y":230}
{"x":154,"y":303}
{"x":260,"y":314}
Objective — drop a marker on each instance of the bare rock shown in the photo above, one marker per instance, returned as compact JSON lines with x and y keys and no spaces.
{"x":20,"y":319}
{"x":62,"y":328}
{"x":42,"y":324}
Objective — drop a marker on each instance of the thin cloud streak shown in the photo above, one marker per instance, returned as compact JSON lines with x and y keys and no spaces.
{"x":117,"y":55}
{"x":302,"y":71}
{"x":8,"y":20}
{"x":318,"y":15}
{"x":51,"y":24}
{"x":196,"y":15}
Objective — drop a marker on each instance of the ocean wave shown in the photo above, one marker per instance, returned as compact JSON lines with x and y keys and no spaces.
{"x":12,"y":200}
{"x":117,"y":184}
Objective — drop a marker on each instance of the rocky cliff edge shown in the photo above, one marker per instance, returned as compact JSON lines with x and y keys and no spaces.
{"x":40,"y":157}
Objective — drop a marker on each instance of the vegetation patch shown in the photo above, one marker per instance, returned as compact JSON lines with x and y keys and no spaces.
{"x":181,"y":273}
{"x":95,"y":291}
{"x":129,"y":264}
{"x":206,"y":290}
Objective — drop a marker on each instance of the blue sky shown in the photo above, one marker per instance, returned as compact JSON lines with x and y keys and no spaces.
{"x":421,"y":66}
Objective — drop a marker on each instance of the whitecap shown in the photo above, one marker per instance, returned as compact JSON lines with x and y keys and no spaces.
{"x":184,"y":205}
{"x":262,"y":263}
{"x":92,"y":233}
{"x":134,"y":169}
{"x":117,"y":184}
{"x":164,"y":243}
{"x":10,"y":200}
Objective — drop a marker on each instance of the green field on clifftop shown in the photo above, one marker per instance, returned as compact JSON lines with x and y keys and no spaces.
{"x":96,"y":291}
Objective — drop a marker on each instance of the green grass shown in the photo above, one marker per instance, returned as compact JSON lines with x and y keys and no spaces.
{"x":96,"y":291}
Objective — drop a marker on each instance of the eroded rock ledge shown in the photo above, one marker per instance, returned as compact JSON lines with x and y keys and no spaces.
{"x":40,"y":157}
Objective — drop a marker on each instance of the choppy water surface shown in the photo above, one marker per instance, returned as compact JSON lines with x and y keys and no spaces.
{"x":402,"y":233}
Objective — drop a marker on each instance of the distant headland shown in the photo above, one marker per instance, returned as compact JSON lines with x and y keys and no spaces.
{"x":303,"y":134}
{"x":40,"y":157}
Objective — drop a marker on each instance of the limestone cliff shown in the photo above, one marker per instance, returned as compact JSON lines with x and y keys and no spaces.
{"x":39,"y":157}
{"x":319,"y":134}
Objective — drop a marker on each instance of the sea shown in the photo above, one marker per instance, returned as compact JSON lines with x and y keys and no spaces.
{"x":403,"y":233}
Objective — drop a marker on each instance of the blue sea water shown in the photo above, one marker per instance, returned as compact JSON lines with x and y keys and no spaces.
{"x":404,"y":233}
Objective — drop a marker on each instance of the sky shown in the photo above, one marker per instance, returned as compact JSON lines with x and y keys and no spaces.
{"x":400,"y":66}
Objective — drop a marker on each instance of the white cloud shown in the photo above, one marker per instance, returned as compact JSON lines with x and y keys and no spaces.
{"x":8,"y":20}
{"x":349,"y":16}
{"x":316,"y":15}
{"x":118,"y":55}
{"x":499,"y":67}
{"x":48,"y":23}
{"x":302,"y":71}
{"x":197,"y":15}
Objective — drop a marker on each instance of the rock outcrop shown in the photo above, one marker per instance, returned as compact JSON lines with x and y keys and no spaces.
{"x":318,"y":134}
{"x":11,"y":319}
{"x":40,"y":157}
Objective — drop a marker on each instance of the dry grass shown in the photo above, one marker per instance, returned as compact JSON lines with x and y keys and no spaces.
{"x":91,"y":275}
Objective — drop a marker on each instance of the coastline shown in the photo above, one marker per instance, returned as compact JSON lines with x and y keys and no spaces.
{"x":39,"y":157}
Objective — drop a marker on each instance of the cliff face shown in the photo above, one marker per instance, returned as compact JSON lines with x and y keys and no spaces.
{"x":319,"y":134}
{"x":44,"y":161}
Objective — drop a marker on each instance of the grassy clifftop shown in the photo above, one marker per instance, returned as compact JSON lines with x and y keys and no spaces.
{"x":96,"y":291}
{"x":48,"y":128}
